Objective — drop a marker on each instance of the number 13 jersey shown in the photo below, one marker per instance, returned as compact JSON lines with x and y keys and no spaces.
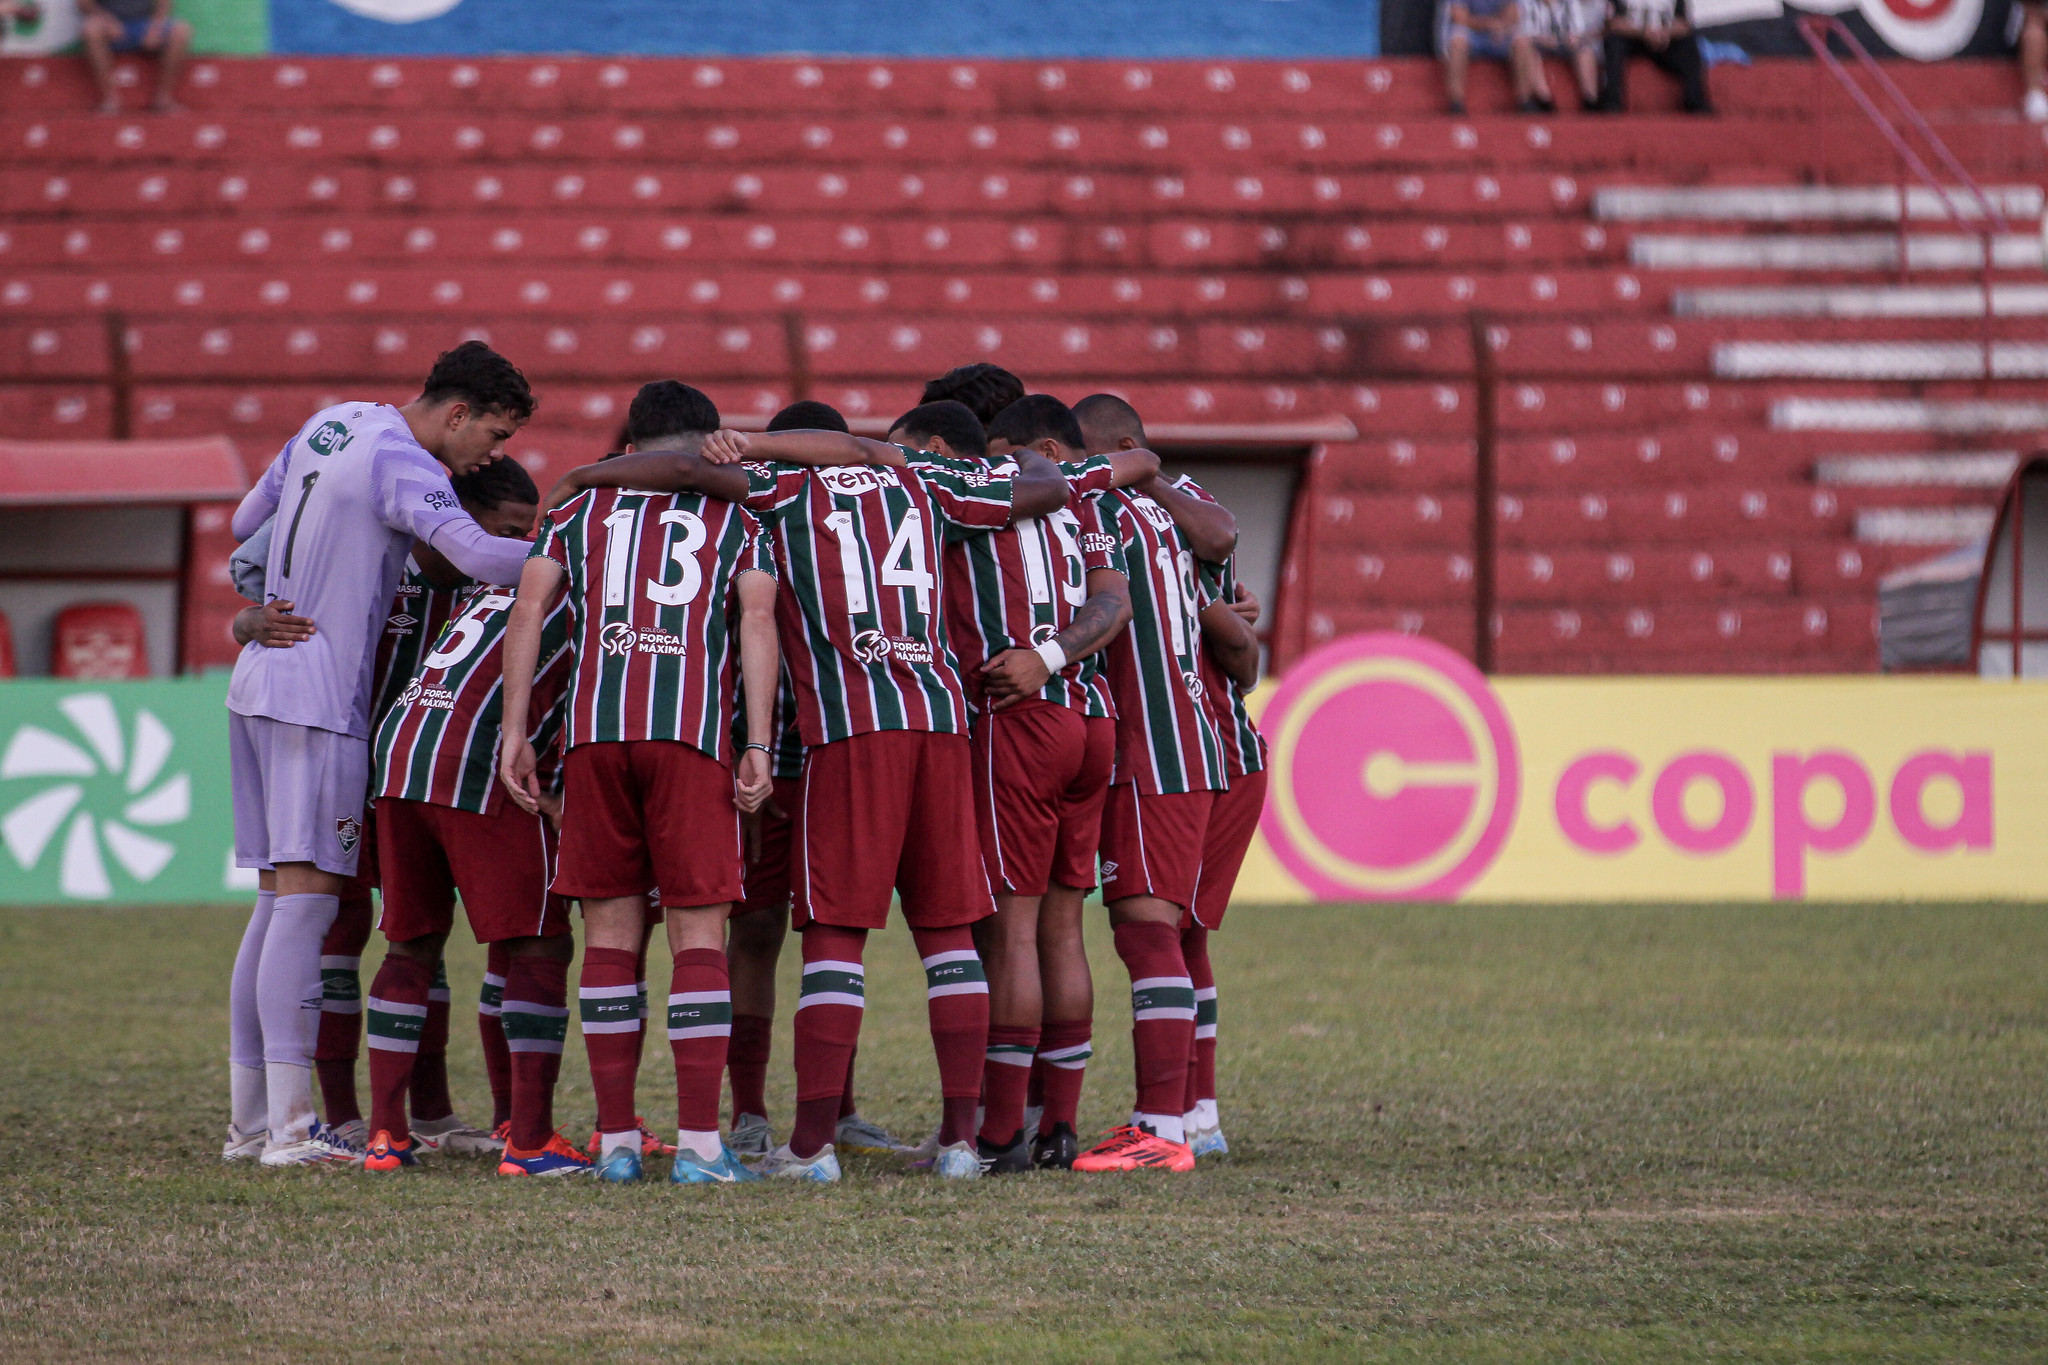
{"x":653,"y":612}
{"x":862,"y":613}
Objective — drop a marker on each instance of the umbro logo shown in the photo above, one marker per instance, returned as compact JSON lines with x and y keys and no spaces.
{"x":1108,"y":871}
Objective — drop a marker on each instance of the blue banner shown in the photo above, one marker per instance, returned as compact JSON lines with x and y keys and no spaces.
{"x":908,"y":28}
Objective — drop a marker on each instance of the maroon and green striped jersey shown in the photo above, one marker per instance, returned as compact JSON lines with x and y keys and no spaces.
{"x":1018,"y":587}
{"x":653,"y":612}
{"x":862,"y":611}
{"x":1166,"y":739}
{"x":439,"y":741}
{"x":1244,"y":748}
{"x":418,"y":611}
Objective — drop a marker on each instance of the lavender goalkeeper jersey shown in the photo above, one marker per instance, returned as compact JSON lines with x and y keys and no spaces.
{"x":351,"y":492}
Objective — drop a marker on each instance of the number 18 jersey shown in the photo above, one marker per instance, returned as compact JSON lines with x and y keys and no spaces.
{"x":653,"y":612}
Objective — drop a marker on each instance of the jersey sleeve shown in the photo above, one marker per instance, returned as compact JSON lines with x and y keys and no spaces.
{"x":772,"y":487}
{"x":249,"y":565}
{"x":1089,"y":476}
{"x":553,"y":540}
{"x":410,"y":492}
{"x":759,"y":555}
{"x":259,"y":504}
{"x":969,"y":496}
{"x":1105,"y":542}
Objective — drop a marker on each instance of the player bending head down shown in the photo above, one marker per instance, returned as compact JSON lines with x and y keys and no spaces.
{"x":983,"y":389}
{"x":671,"y":596}
{"x":349,"y":495}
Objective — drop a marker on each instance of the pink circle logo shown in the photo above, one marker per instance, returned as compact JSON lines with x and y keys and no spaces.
{"x":1394,"y":771}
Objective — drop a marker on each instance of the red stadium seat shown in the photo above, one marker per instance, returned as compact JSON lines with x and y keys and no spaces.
{"x":6,"y":647}
{"x":98,"y":640}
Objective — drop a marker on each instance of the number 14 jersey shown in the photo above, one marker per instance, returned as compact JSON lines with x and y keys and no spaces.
{"x":653,"y":612}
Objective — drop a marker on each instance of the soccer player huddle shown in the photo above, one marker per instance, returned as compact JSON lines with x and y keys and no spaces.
{"x":725,"y":685}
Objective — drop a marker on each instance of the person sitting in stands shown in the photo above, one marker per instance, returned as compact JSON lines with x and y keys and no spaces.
{"x":1662,"y":31}
{"x":1491,"y":29}
{"x":1569,"y":30}
{"x":115,"y":26}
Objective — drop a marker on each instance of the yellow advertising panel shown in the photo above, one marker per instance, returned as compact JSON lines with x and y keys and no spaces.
{"x":1399,"y":772}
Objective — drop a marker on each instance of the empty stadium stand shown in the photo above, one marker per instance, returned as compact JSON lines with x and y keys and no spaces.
{"x":1740,"y":374}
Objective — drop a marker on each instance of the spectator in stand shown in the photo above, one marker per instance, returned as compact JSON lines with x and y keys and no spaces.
{"x":1490,"y":29}
{"x":2029,"y":28}
{"x":1662,"y":31}
{"x":112,"y":27}
{"x":1569,"y":30}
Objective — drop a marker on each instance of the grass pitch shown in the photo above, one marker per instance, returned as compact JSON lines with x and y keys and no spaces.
{"x":1458,"y":1134}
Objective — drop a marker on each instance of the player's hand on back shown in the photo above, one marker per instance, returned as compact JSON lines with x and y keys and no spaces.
{"x":1246,"y":605}
{"x":724,"y":446}
{"x":516,"y":770}
{"x":753,"y":784}
{"x":272,"y":625}
{"x":1012,"y":676}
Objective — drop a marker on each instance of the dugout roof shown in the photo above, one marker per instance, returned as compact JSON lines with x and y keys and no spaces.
{"x":50,"y":473}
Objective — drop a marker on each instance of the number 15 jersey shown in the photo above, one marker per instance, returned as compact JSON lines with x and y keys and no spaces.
{"x":653,"y":612}
{"x":862,"y":616}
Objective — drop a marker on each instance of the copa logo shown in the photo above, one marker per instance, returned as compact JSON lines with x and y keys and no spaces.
{"x":1394,"y":771}
{"x":617,"y":638}
{"x":851,"y":480}
{"x":871,"y":646}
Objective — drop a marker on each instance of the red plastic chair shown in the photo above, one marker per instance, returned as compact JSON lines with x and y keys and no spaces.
{"x":99,"y":640}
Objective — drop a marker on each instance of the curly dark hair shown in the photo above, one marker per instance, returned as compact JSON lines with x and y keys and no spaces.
{"x":668,"y":408}
{"x":479,"y":376}
{"x":951,"y":422}
{"x":501,"y":481}
{"x":985,"y":389}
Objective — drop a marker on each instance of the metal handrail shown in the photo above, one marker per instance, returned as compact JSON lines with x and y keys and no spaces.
{"x":1817,"y":29}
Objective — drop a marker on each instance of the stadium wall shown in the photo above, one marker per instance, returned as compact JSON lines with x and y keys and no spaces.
{"x":1399,"y":773}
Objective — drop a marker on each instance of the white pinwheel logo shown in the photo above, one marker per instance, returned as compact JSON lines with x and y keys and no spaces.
{"x":134,"y":761}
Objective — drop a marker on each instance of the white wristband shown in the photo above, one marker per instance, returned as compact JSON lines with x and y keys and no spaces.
{"x":1055,"y":657}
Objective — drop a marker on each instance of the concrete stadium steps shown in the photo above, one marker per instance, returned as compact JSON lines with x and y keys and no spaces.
{"x":1863,"y":251}
{"x":1803,"y":203}
{"x":1918,"y":301}
{"x":722,"y":87}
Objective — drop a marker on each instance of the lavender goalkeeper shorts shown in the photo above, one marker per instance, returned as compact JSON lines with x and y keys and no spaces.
{"x":299,"y":794}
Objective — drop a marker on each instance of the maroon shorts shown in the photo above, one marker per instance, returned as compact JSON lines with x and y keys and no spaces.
{"x":643,"y":813}
{"x":768,"y":859}
{"x":1152,"y":845}
{"x":1041,"y":772}
{"x":892,"y":809}
{"x":499,"y":863}
{"x":1232,"y":822}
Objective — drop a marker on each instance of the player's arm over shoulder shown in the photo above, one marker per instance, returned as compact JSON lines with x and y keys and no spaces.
{"x":656,"y":471}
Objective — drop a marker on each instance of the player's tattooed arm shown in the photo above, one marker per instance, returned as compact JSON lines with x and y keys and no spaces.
{"x":1210,"y":528}
{"x":760,"y":667}
{"x":272,"y":625}
{"x":1019,"y":674}
{"x":657,"y":471}
{"x":540,"y":584}
{"x":1230,"y":640}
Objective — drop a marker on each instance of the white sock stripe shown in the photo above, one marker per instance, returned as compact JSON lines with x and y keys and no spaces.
{"x":607,"y":992}
{"x":957,"y":988}
{"x":700,"y":1031}
{"x":827,"y":965}
{"x":951,"y":955}
{"x":700,"y":997}
{"x":340,"y":964}
{"x":397,"y":1007}
{"x":1205,"y":1030}
{"x":622,"y":1026}
{"x":533,"y":1007}
{"x":1010,"y":1058}
{"x":1055,"y":1055}
{"x":1155,"y":982}
{"x":489,"y":1011}
{"x":493,"y":979}
{"x":341,"y":1007}
{"x":439,"y":996}
{"x":532,"y":1045}
{"x":831,"y":998}
{"x":1205,"y":992}
{"x":1162,"y":1012}
{"x":383,"y":1044}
